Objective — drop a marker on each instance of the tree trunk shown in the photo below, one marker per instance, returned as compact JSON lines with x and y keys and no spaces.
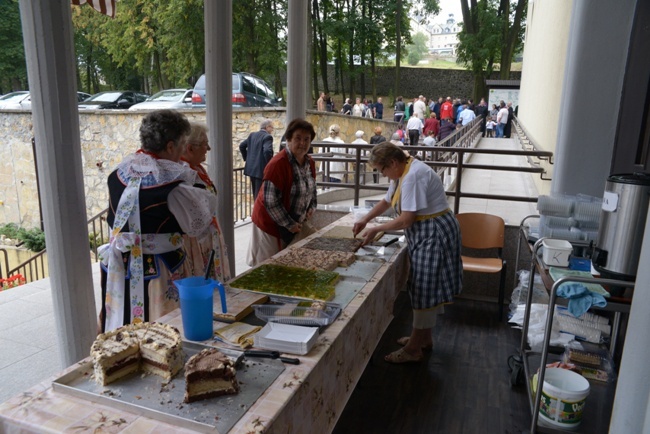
{"x":510,"y":40}
{"x":398,"y":48}
{"x":321,"y":50}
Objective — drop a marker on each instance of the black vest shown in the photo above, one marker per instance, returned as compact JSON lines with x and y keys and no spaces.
{"x":155,"y":217}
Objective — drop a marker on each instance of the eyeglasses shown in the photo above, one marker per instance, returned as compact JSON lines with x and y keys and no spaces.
{"x":201,"y":145}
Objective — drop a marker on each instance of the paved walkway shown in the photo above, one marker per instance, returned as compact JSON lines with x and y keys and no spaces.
{"x":29,"y":351}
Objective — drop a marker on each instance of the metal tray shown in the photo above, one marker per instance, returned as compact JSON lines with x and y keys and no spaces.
{"x":148,"y":395}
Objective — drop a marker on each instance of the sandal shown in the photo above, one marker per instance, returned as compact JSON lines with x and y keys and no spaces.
{"x":401,"y":356}
{"x":403,"y":341}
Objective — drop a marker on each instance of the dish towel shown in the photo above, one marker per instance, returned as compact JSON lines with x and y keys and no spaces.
{"x":580,"y":298}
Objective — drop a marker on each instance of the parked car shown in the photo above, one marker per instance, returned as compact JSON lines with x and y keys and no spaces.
{"x":114,"y":99}
{"x":167,"y":99}
{"x":247,"y":91}
{"x":82,"y":96}
{"x":16,"y":101}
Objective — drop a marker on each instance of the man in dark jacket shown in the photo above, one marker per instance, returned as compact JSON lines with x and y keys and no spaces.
{"x":257,"y":151}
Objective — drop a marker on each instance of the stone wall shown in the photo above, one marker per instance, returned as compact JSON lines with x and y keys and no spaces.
{"x":107,"y":136}
{"x":429,"y":82}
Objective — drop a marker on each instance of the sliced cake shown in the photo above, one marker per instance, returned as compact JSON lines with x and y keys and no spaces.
{"x":209,"y":373}
{"x":151,"y":347}
{"x":115,"y":354}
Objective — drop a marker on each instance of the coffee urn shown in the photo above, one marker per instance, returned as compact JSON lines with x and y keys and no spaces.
{"x":622,"y":223}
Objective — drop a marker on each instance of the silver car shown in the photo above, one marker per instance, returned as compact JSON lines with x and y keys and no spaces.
{"x":167,"y":99}
{"x":19,"y":100}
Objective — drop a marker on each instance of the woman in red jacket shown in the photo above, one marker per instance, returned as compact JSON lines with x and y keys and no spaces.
{"x":287,"y":199}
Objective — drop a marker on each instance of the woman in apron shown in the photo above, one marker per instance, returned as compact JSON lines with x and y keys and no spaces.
{"x":433,"y":238}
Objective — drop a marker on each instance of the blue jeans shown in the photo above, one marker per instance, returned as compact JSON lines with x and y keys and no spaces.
{"x":500,"y":128}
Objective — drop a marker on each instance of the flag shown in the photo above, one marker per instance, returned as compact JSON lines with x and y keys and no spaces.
{"x":106,"y":7}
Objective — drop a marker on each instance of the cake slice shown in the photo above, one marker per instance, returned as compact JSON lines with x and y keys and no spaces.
{"x":115,"y":354}
{"x":209,"y":373}
{"x":161,"y":350}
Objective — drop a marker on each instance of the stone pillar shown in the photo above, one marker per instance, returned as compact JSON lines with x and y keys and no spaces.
{"x":218,"y":89}
{"x":297,"y":60}
{"x":49,"y":50}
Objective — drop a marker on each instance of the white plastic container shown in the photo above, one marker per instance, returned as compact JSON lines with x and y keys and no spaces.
{"x":556,"y":252}
{"x":563,"y":397}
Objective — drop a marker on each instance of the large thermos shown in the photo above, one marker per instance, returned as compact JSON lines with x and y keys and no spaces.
{"x":622,"y":223}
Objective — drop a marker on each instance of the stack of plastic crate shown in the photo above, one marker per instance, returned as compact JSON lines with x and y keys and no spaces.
{"x":572,"y":218}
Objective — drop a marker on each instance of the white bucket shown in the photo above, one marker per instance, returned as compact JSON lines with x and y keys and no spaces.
{"x":556,"y":252}
{"x":563,"y":397}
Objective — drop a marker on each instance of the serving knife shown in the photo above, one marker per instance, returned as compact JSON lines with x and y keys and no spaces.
{"x":271,"y":355}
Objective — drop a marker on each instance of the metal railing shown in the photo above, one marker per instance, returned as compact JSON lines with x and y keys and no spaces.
{"x":448,"y":158}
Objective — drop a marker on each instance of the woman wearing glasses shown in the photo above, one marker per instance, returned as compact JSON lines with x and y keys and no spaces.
{"x":433,"y":237}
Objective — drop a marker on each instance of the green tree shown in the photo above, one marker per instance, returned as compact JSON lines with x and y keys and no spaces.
{"x":491,"y":33}
{"x":13,"y":68}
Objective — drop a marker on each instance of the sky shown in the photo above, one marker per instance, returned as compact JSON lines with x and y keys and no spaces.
{"x":449,"y":7}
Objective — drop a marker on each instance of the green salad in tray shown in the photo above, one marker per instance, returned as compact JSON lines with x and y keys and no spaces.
{"x":289,"y":281}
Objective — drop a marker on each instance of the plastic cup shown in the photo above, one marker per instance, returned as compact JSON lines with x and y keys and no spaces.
{"x":196,"y":294}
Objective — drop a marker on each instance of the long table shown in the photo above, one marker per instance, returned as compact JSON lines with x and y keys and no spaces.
{"x":308,"y":397}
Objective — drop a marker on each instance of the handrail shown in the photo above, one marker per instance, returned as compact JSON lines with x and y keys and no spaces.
{"x":522,"y":137}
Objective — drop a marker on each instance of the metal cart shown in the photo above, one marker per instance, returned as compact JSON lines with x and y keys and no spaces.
{"x":527,"y":358}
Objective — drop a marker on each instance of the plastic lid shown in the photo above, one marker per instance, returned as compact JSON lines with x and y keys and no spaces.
{"x":637,"y":178}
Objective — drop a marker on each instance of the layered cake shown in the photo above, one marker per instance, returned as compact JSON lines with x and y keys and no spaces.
{"x":149,"y":347}
{"x":209,"y":373}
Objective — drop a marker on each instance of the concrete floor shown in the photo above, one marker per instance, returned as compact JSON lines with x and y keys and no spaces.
{"x":29,"y":351}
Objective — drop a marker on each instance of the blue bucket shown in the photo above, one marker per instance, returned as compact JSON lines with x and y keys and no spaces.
{"x":196,"y":294}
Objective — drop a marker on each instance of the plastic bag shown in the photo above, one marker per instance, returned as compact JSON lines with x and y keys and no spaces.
{"x":520,"y":293}
{"x":537,"y":326}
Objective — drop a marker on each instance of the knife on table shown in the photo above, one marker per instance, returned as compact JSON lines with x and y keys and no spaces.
{"x":271,"y":355}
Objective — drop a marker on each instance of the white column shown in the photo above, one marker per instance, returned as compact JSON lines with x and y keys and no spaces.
{"x":591,"y":96}
{"x":632,"y":404}
{"x":218,"y":89}
{"x":49,"y":50}
{"x":297,"y":59}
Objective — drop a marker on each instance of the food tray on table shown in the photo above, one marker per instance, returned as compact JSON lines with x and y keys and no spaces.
{"x":153,"y":397}
{"x":289,"y":281}
{"x":312,"y":314}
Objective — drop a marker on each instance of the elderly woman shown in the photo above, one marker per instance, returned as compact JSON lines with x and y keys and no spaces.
{"x":152,"y":203}
{"x":288,"y":196}
{"x":338,"y":169}
{"x":433,"y":238}
{"x":199,"y":250}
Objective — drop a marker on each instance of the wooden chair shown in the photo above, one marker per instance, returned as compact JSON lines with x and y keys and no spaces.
{"x":484,"y":231}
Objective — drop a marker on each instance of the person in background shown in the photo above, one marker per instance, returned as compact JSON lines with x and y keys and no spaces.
{"x":400,"y":108}
{"x":377,"y":138}
{"x":287,"y":200}
{"x":482,"y":112}
{"x":347,"y":107}
{"x":329,"y":104}
{"x":199,"y":249}
{"x":430,"y":139}
{"x":466,"y":116}
{"x":446,"y":129}
{"x":420,"y":107}
{"x":257,"y":151}
{"x":433,"y":241}
{"x":502,"y":119}
{"x":489,"y":127}
{"x":395,"y":140}
{"x":494,"y":112}
{"x":136,"y":276}
{"x":368,"y":111}
{"x":320,"y":104}
{"x":379,"y":109}
{"x":436,"y":108}
{"x":357,"y":109}
{"x":431,"y":124}
{"x":446,"y":110}
{"x":508,"y":128}
{"x":359,"y":138}
{"x":414,"y":127}
{"x":337,"y":168}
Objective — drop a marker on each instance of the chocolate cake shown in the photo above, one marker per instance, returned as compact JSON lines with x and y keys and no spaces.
{"x":149,"y":347}
{"x":209,"y":373}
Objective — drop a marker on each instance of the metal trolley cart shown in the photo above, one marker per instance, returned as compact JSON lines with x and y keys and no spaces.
{"x":598,"y":410}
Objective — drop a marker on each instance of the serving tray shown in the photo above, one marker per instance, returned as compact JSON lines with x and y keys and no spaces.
{"x":148,"y":395}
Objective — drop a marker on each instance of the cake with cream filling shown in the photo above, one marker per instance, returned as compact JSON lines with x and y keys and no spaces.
{"x":150,"y":347}
{"x":209,"y":373}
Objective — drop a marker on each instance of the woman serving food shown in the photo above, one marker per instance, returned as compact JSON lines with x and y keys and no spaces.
{"x":287,"y":199}
{"x":433,"y":237}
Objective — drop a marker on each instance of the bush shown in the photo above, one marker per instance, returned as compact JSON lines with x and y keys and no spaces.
{"x":10,"y":230}
{"x":34,"y":239}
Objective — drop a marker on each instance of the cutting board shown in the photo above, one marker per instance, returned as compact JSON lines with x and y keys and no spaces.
{"x":239,"y":304}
